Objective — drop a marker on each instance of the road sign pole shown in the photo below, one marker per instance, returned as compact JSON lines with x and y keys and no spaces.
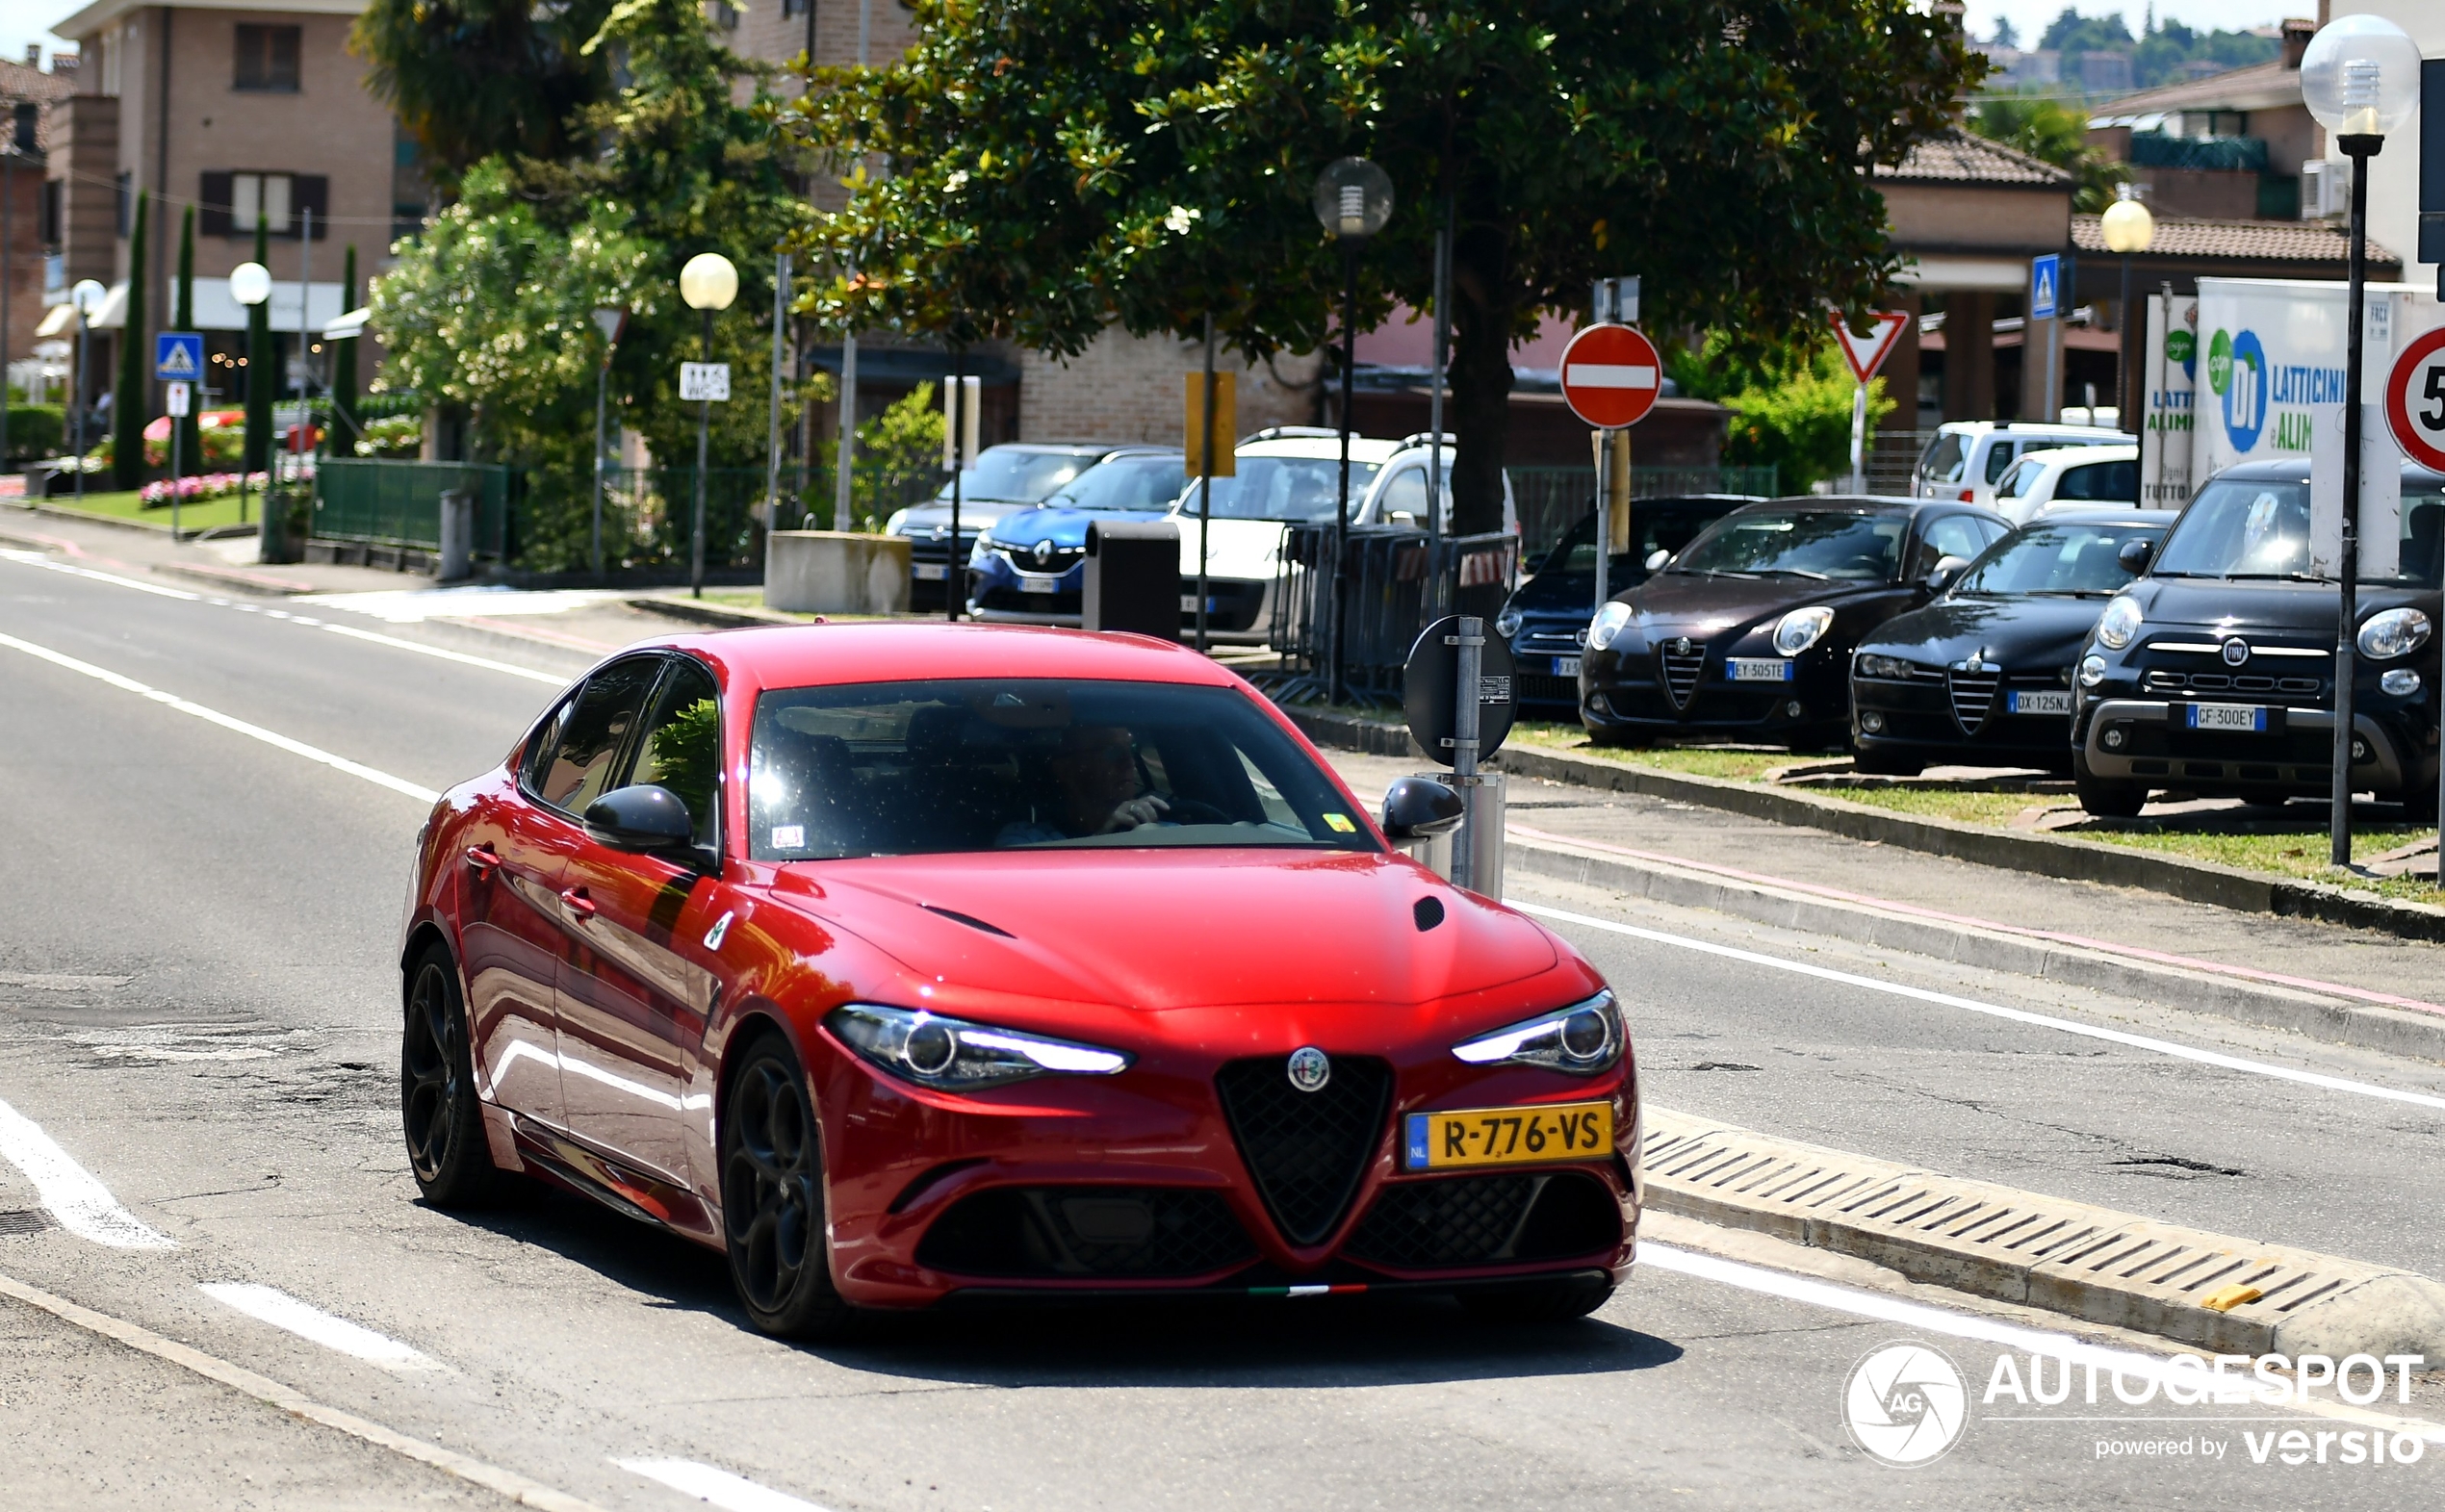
{"x":2348,"y":568}
{"x":1471,"y":642}
{"x":1859,"y":438}
{"x":704,"y":432}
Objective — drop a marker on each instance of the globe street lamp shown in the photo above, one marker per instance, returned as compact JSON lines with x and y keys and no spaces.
{"x":87,"y":296}
{"x":250,"y":285}
{"x":1352,"y":201}
{"x":707,"y":283}
{"x":2129,"y":228}
{"x":2360,"y":78}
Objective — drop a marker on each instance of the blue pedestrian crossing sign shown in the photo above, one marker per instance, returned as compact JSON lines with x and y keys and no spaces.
{"x":2045,"y":286}
{"x":178,"y":356}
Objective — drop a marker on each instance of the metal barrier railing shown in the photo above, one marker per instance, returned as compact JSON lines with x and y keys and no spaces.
{"x":1391,"y":582}
{"x":400,"y":504}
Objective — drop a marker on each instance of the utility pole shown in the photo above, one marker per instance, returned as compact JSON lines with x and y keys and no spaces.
{"x":846,"y":455}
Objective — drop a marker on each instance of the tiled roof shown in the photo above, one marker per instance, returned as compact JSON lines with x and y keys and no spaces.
{"x":1960,"y":157}
{"x":18,"y":82}
{"x":2242,"y":241}
{"x":2264,"y":86}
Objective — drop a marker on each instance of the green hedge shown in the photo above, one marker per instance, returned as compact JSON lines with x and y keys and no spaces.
{"x":36,"y":432}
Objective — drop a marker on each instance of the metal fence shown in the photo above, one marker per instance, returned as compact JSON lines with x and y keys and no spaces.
{"x":1392,"y":583}
{"x":1891,"y":454}
{"x":876,"y":492}
{"x":400,"y":504}
{"x":649,"y":518}
{"x":1551,"y":499}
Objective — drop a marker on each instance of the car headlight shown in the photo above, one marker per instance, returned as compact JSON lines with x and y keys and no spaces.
{"x":2092,"y":669}
{"x":2397,"y":633}
{"x":899,"y":518}
{"x":1582,"y":1040}
{"x":1508,"y":623}
{"x":1802,"y":628}
{"x":953,"y":1055}
{"x":1609,"y":622}
{"x":2121,"y":622}
{"x":2401,"y":683}
{"x":1892,"y":667}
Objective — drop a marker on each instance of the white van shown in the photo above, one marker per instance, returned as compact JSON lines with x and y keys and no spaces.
{"x":1968,"y":457}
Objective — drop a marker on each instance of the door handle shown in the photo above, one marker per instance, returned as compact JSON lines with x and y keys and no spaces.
{"x":484,"y":859}
{"x":577,"y":901}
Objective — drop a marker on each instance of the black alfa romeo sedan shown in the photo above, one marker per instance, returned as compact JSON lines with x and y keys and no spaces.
{"x":1982,"y":677}
{"x":2214,"y":673}
{"x":1747,"y":632}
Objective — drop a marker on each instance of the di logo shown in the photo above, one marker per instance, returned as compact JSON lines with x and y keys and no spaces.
{"x":1905,"y":1404}
{"x":2244,"y":389}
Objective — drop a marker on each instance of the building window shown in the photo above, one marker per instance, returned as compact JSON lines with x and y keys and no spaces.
{"x":268,"y":58}
{"x":791,"y":7}
{"x":51,"y":212}
{"x":230,"y":202}
{"x":264,"y":195}
{"x":724,"y":15}
{"x":126,"y":200}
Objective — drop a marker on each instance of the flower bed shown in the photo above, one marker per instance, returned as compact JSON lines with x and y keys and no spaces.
{"x":208,"y":485}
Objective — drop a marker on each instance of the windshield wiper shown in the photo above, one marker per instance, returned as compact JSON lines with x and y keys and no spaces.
{"x":2272,"y":577}
{"x":1794,"y":572}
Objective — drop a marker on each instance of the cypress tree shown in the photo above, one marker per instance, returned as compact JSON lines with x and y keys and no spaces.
{"x":262,"y":383}
{"x":129,"y":406}
{"x":344,"y":422}
{"x":191,"y":441}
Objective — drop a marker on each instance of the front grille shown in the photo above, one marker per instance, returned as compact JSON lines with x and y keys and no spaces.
{"x":1054,"y":1232}
{"x":1680,"y":672}
{"x":1537,"y":687}
{"x":1974,"y":698}
{"x":1023,"y":559}
{"x":1487,"y":1220}
{"x":2160,"y":680}
{"x":1306,"y":1151}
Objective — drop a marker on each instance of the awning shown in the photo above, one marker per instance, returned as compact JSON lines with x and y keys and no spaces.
{"x":350,"y":327}
{"x":58,"y":320}
{"x":113,"y":311}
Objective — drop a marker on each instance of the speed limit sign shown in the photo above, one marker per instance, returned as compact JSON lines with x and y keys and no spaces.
{"x":2415,"y":400}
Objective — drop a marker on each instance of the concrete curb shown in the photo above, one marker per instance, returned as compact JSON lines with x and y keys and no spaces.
{"x":236,"y":580}
{"x":718,"y":616}
{"x":2267,"y":1004}
{"x":2215,"y":1291}
{"x":2046,"y":855}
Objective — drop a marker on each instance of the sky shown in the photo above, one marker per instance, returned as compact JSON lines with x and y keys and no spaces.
{"x":22,"y":21}
{"x":2031,"y":18}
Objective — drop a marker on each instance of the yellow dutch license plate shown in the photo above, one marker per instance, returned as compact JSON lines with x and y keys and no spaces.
{"x":1507,"y":1135}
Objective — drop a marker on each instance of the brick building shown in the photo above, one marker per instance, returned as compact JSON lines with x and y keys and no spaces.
{"x":28,"y":96}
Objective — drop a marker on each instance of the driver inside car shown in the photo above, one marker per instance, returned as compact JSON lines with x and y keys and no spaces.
{"x":1098,"y":789}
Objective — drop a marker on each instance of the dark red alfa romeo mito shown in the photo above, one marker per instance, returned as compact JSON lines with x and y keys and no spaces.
{"x":906,"y":963}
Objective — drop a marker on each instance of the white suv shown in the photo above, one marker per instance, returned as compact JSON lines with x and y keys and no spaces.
{"x":1291,"y":475}
{"x":1968,"y":457}
{"x":2068,"y":476}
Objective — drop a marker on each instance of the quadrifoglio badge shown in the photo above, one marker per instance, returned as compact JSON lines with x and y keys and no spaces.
{"x":1906,"y":1404}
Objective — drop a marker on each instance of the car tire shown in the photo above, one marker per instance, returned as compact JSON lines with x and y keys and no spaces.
{"x":1539,"y":1302}
{"x":448,"y":1151}
{"x":1885,"y":763}
{"x":773,"y":1201}
{"x":2105,"y":798}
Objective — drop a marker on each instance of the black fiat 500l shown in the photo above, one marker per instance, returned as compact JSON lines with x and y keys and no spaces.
{"x":1546,"y":619}
{"x":2214,"y":673}
{"x":1747,"y":632}
{"x":1982,"y":677}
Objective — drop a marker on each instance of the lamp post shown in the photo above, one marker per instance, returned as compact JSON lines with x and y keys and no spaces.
{"x":2128,"y":228}
{"x":1353,"y":200}
{"x":2360,"y":78}
{"x":250,"y":285}
{"x":87,"y":296}
{"x":707,"y":283}
{"x":608,"y":322}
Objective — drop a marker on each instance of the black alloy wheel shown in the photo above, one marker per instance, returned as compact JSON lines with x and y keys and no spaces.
{"x":772,"y":1200}
{"x":1887,"y":763}
{"x":2104,"y":797}
{"x":1536,"y":1302}
{"x":447,"y":1149}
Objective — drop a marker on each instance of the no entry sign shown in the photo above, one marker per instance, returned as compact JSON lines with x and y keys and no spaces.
{"x":2415,"y":400}
{"x":1610,"y":376}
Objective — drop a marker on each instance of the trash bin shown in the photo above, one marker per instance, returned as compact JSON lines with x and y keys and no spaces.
{"x":458,"y":534}
{"x":1133,"y":578}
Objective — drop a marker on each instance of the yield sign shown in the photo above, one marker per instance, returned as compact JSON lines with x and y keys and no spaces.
{"x":1610,"y":376}
{"x":1867,"y":353}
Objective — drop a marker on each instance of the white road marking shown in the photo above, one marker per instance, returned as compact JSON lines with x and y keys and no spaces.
{"x":73,"y":1194}
{"x":38,"y":559}
{"x":406,"y":606}
{"x":378,"y":778}
{"x":2167,"y":1048}
{"x":556,"y":679}
{"x":2015,"y":1337}
{"x":721,"y":1488}
{"x":282,"y":1311}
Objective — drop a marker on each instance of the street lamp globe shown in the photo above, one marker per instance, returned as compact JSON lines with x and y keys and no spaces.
{"x":87,"y":296}
{"x":1353,"y":198}
{"x":251,"y":284}
{"x":2128,"y":225}
{"x":708,"y":282}
{"x":2361,"y":76}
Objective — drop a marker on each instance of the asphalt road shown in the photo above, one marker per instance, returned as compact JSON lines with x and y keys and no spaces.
{"x":198,"y":1007}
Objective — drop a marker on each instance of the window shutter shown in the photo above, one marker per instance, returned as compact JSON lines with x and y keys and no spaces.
{"x":311,"y":191}
{"x":214,"y":218}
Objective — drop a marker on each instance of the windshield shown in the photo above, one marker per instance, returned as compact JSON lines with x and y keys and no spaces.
{"x":1940,"y":463}
{"x":2238,"y":529}
{"x":1145,"y":483}
{"x":2056,"y":558}
{"x":979,"y":765}
{"x":1800,"y":543}
{"x":1010,"y":474}
{"x":2019,"y":478}
{"x":1651,"y":530}
{"x":1291,"y":489}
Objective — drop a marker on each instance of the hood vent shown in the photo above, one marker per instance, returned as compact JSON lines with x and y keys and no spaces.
{"x":968,"y":919}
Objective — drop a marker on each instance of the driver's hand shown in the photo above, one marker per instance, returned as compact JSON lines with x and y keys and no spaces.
{"x":1133,"y":812}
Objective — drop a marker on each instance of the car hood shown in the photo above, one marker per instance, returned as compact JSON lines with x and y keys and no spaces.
{"x":1024,"y":528}
{"x":2227,"y":605}
{"x":974,"y":513}
{"x":2033,"y":632}
{"x":1574,"y":592}
{"x":1700,"y":607}
{"x":1168,"y":930}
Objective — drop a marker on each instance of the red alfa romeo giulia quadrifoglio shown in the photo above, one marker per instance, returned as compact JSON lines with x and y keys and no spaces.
{"x":905,"y":963}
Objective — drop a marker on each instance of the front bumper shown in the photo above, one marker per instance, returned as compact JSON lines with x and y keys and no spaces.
{"x":1639,"y":694}
{"x":2146,"y":740}
{"x":1969,"y":724}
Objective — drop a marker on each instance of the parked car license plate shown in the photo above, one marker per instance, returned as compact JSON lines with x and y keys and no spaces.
{"x":2228,"y":716}
{"x":1036,"y":582}
{"x":929,"y":572}
{"x":2046,"y":701}
{"x":1566,"y":666}
{"x":1507,"y":1135}
{"x":1758,"y":669}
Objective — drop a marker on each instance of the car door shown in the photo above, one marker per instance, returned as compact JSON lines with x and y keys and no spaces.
{"x":509,"y":933}
{"x":639,"y":983}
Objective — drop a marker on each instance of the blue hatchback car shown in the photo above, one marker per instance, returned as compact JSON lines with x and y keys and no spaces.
{"x":1030,"y":567}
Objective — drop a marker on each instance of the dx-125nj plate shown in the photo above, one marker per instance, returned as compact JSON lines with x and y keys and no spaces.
{"x":1507,"y":1135}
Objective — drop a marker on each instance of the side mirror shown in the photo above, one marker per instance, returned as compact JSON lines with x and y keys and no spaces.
{"x":2135,"y":555}
{"x":640,"y":818}
{"x":1656,"y":559}
{"x":1941,"y":576}
{"x":1418,"y":806}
